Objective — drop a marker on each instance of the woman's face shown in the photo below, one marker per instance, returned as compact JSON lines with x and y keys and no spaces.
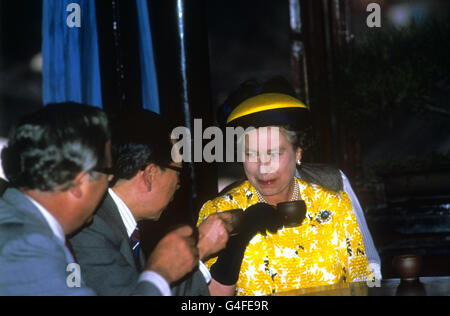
{"x":270,"y":161}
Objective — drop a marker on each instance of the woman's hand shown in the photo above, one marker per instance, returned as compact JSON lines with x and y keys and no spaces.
{"x":257,"y":219}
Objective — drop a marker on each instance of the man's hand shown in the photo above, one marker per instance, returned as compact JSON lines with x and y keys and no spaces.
{"x":213,"y":234}
{"x":175,"y":255}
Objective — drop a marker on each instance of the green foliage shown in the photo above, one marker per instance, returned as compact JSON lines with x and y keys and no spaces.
{"x":392,"y":70}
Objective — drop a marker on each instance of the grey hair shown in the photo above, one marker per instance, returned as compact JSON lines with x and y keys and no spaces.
{"x":298,"y":138}
{"x":50,"y":147}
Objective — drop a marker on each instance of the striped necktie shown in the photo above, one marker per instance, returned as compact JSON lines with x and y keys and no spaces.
{"x":135,"y":243}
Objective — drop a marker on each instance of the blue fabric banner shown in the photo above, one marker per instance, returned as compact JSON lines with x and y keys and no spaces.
{"x":71,"y":70}
{"x":150,"y":94}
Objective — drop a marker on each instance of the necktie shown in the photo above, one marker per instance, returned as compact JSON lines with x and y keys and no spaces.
{"x":135,"y":243}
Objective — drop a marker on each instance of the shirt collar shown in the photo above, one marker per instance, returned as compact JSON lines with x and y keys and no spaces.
{"x":127,"y":217}
{"x":55,"y":226}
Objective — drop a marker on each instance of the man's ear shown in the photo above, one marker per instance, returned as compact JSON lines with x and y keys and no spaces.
{"x":298,"y":154}
{"x":149,"y":175}
{"x":76,"y":190}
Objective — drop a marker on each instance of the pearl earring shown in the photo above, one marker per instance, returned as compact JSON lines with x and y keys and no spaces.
{"x":299,"y":163}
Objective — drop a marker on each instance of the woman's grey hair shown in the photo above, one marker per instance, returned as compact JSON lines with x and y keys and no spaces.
{"x":297,"y":138}
{"x":49,"y":148}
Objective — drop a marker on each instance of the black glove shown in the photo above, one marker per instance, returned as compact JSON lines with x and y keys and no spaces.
{"x":258,"y":218}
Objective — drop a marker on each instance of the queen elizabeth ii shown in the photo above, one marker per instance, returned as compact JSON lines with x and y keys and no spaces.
{"x":327,"y":248}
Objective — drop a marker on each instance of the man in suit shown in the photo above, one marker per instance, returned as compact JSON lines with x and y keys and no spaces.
{"x":146,"y":179}
{"x":56,"y":161}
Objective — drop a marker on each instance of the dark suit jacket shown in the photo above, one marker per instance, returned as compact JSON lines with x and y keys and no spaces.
{"x":106,"y":258}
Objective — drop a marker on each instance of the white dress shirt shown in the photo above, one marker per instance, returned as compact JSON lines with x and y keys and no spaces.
{"x":125,"y":213}
{"x":55,"y":226}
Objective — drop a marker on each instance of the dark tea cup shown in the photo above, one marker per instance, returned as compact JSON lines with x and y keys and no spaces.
{"x":408,"y":266}
{"x":237,"y":221}
{"x":292,"y":213}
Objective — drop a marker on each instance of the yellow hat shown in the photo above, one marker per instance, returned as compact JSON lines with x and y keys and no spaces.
{"x":270,"y":109}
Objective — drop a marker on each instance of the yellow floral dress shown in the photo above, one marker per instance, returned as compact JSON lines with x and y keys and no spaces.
{"x":326,"y":249}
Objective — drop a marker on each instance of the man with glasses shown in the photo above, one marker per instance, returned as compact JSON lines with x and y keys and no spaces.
{"x":145,"y":182}
{"x":57,"y":163}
